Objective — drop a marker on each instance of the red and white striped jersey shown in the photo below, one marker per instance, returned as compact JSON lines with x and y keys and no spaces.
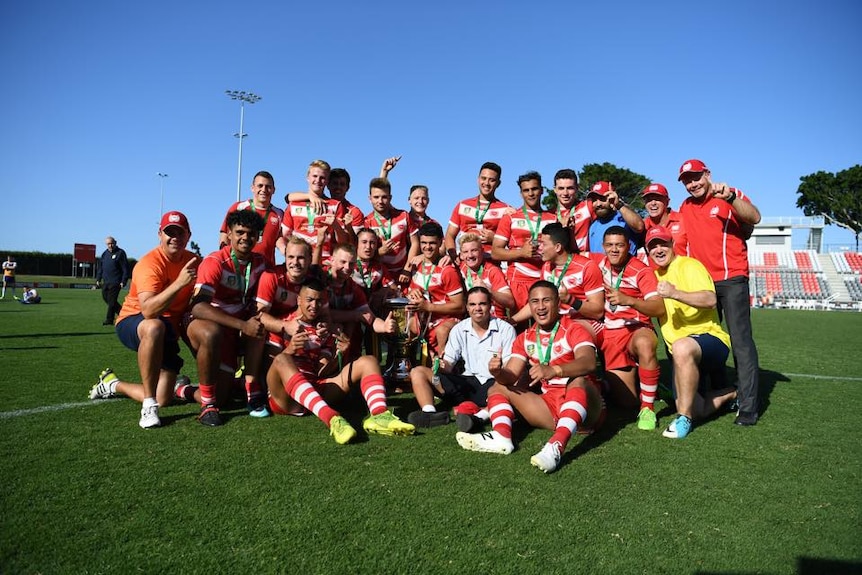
{"x":636,"y":279}
{"x":535,"y":346}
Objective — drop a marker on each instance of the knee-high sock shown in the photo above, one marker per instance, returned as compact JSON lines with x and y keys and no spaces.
{"x":501,"y":415}
{"x":302,"y":391}
{"x":253,"y":389}
{"x":649,"y":385}
{"x":374,"y":392}
{"x":207,"y":394}
{"x":573,"y":412}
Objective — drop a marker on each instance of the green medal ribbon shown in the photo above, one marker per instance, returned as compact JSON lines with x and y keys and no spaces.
{"x":243,"y":282}
{"x":480,"y":216}
{"x":468,"y":277}
{"x":387,"y":232}
{"x":534,"y":232}
{"x":547,"y":359}
{"x":557,"y":280}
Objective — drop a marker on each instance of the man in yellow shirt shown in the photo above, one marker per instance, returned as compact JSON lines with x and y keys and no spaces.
{"x":695,"y":339}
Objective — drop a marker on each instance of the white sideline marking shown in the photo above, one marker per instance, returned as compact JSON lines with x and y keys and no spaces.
{"x":47,"y":408}
{"x":838,"y":377}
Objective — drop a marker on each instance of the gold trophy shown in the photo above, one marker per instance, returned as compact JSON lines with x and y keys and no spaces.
{"x":400,"y":344}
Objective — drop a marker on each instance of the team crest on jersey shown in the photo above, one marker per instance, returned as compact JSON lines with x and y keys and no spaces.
{"x":714,"y":211}
{"x":274,"y":220}
{"x":530,"y":349}
{"x":558,"y":349}
{"x":231,"y":281}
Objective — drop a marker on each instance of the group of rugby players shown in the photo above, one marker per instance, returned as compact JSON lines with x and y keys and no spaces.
{"x":514,"y":304}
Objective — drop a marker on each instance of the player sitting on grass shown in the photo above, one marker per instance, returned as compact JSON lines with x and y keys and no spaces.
{"x":149,"y":320}
{"x":560,"y":355}
{"x":311,"y":372}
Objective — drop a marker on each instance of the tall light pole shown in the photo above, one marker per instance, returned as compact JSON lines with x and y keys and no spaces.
{"x":243,"y":97}
{"x":162,"y":177}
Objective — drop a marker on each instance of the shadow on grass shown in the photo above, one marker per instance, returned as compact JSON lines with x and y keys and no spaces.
{"x":807,"y":566}
{"x":768,"y":380}
{"x":29,"y":348}
{"x":76,"y":334}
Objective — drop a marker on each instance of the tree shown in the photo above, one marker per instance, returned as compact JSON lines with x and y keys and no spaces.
{"x":836,"y":197}
{"x":628,"y":184}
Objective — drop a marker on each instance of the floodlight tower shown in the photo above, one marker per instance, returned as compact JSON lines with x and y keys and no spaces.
{"x":243,"y":97}
{"x":162,"y":177}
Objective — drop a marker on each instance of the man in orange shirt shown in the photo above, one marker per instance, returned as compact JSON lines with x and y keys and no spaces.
{"x":148,"y":323}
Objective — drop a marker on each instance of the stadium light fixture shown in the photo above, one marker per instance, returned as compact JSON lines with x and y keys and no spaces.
{"x":162,"y":177}
{"x":243,"y":97}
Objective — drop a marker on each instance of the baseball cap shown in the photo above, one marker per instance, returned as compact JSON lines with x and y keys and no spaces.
{"x":692,"y":166}
{"x":175,"y":219}
{"x":657,"y":189}
{"x":660,"y":233}
{"x":600,"y":188}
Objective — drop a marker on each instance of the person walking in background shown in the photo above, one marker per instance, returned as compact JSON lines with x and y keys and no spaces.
{"x":112,"y":276}
{"x":9,"y":267}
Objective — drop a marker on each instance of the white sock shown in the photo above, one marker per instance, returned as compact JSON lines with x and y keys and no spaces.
{"x":483,"y":414}
{"x":150,"y":402}
{"x":429,"y":409}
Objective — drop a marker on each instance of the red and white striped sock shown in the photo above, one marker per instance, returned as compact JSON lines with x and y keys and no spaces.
{"x":573,"y":412}
{"x":207,"y":394}
{"x":302,"y":391}
{"x":253,"y":389}
{"x":374,"y":392}
{"x":501,"y":415}
{"x":649,"y":385}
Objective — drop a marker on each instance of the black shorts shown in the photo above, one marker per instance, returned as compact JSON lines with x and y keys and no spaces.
{"x":460,"y":388}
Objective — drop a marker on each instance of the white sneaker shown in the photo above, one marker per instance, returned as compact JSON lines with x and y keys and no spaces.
{"x":102,"y":390}
{"x":485,"y":442}
{"x":548,"y":458}
{"x":150,"y":417}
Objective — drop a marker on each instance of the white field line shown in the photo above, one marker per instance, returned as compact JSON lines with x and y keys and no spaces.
{"x":831,"y":377}
{"x":47,"y":408}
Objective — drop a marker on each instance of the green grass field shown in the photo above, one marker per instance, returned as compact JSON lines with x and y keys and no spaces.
{"x":85,"y":490}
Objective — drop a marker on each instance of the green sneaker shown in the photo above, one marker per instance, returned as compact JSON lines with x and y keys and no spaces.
{"x":342,"y":431}
{"x":102,"y":389}
{"x":647,"y":419}
{"x":387,"y":424}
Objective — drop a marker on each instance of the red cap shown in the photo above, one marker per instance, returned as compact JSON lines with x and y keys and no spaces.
{"x":658,"y":233}
{"x":693,"y":166}
{"x":175,"y":219}
{"x":600,"y":188}
{"x":657,"y":189}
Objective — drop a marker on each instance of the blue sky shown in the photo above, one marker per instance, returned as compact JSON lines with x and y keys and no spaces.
{"x":100,"y":96}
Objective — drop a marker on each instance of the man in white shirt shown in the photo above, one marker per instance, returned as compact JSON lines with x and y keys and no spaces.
{"x":476,"y":340}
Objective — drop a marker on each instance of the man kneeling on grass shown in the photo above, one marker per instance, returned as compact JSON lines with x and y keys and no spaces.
{"x":149,"y":321}
{"x":561,"y":358}
{"x":310,"y":371}
{"x":697,"y":344}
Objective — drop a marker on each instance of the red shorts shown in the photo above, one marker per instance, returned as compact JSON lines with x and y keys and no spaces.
{"x":554,"y":397}
{"x":614,"y":344}
{"x":520,"y":287}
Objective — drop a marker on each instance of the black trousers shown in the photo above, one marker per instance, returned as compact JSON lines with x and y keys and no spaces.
{"x":110,"y":293}
{"x":735,"y":308}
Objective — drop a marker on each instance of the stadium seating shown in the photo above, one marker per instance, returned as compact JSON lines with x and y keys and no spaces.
{"x":790,"y":276}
